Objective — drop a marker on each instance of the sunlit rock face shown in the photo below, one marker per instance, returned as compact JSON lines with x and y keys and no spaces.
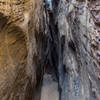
{"x":14,"y":9}
{"x":94,"y":8}
{"x":17,"y":72}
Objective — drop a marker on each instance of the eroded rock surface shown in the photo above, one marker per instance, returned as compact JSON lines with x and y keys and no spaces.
{"x":62,"y":43}
{"x":20,"y":56}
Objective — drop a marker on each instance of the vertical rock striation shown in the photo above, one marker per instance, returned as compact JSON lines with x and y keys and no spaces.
{"x":77,"y":61}
{"x":20,"y":49}
{"x":49,"y":44}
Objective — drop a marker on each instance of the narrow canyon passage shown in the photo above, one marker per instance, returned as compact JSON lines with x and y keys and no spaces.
{"x":68,"y":42}
{"x":49,"y":49}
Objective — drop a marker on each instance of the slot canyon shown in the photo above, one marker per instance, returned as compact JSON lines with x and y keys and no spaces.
{"x":49,"y":49}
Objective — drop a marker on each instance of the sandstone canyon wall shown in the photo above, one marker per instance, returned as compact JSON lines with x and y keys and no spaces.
{"x":49,"y":50}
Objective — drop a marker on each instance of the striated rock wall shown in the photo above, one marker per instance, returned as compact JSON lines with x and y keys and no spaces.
{"x":62,"y":43}
{"x":78,"y":21}
{"x":73,"y":29}
{"x":20,"y":49}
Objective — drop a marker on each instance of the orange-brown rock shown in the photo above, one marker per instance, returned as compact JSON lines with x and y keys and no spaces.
{"x":19,"y":48}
